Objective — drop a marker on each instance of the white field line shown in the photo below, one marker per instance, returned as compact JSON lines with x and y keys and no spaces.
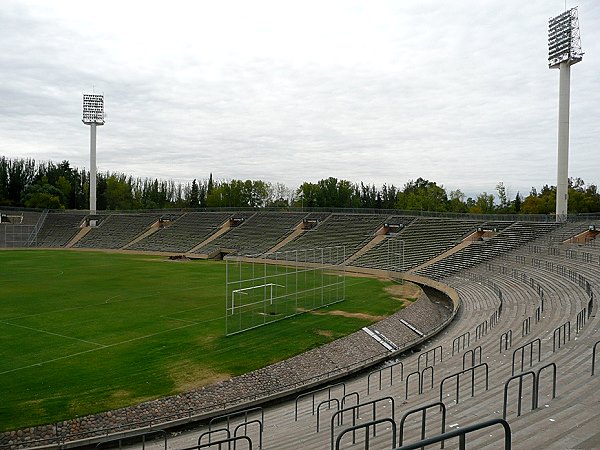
{"x":106,"y":346}
{"x":180,"y":320}
{"x":107,"y":301}
{"x":51,"y":333}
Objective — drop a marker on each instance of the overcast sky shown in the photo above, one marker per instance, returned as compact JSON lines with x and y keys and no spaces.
{"x":458,"y":92}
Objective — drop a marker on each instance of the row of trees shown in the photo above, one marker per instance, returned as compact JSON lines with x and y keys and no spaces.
{"x":23,"y":182}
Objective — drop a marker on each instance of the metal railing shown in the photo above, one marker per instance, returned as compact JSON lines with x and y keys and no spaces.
{"x":328,"y":403}
{"x":144,"y":437}
{"x":462,"y":433}
{"x":420,"y":380}
{"x":474,"y":353}
{"x":461,"y":342}
{"x":220,"y":443}
{"x":519,"y":377}
{"x":506,"y":338}
{"x":535,"y":388}
{"x":457,"y":375}
{"x":594,"y":357}
{"x":312,"y":393}
{"x":581,"y":318}
{"x":425,"y":356}
{"x":380,"y":373}
{"x":564,"y":335}
{"x":366,"y":426}
{"x":423,"y":411}
{"x":209,"y":434}
{"x":355,"y":410}
{"x":481,"y":330}
{"x":526,"y":327}
{"x":522,"y":348}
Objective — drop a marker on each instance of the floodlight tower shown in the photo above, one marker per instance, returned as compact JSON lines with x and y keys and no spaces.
{"x":564,"y":50}
{"x":93,"y":115}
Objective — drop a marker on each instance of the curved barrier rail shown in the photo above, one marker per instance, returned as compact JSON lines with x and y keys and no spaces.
{"x":143,"y":437}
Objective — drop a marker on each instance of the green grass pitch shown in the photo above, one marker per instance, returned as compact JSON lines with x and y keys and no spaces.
{"x":83,"y":332}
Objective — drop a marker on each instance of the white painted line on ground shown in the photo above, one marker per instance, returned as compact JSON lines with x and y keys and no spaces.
{"x":51,"y":333}
{"x":106,"y":346}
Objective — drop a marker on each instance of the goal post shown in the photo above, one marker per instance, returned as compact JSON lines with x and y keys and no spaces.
{"x":395,"y":260}
{"x":281,"y":285}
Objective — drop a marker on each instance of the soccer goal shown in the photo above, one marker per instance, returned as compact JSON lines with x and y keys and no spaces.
{"x":281,"y":285}
{"x":395,"y":260}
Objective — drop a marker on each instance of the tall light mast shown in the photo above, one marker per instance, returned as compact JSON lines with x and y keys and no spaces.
{"x":564,"y":50}
{"x":93,"y":115}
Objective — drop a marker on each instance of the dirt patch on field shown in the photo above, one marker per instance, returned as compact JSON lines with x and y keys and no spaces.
{"x":407,"y":292}
{"x":347,"y":314}
{"x":122,"y":393}
{"x":326,"y":333}
{"x":189,"y":375}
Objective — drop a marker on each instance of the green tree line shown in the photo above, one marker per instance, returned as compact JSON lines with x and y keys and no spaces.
{"x":25,"y":183}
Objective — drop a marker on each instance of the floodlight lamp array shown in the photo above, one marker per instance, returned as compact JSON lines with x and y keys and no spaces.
{"x":93,"y":109}
{"x":564,"y":41}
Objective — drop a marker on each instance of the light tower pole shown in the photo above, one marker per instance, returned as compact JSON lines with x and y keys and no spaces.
{"x":93,"y":115}
{"x":564,"y":50}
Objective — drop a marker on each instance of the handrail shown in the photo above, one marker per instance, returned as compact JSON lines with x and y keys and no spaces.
{"x":243,"y":412}
{"x":519,"y":377}
{"x":461,"y":433}
{"x":380,"y":372}
{"x":473,"y":352}
{"x":581,"y":318}
{"x":522,"y":348}
{"x":507,"y":338}
{"x":464,"y":339}
{"x":594,"y":357}
{"x":457,"y":376}
{"x":526,"y":327}
{"x":211,"y":432}
{"x":426,"y":356}
{"x":366,"y":425}
{"x":329,"y":387}
{"x":233,"y":440}
{"x":423,"y":410}
{"x":162,"y":433}
{"x":563,"y":331}
{"x":372,"y":403}
{"x":328,"y":403}
{"x":245,"y":425}
{"x":420,"y":380}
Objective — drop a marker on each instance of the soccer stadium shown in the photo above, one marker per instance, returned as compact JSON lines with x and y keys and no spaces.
{"x":230,"y":314}
{"x":497,"y":339}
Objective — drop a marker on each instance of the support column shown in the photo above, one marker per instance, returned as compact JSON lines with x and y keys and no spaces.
{"x":93,"y":168}
{"x":562,"y":178}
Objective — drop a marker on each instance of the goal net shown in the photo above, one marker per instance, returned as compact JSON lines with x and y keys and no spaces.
{"x":281,"y":285}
